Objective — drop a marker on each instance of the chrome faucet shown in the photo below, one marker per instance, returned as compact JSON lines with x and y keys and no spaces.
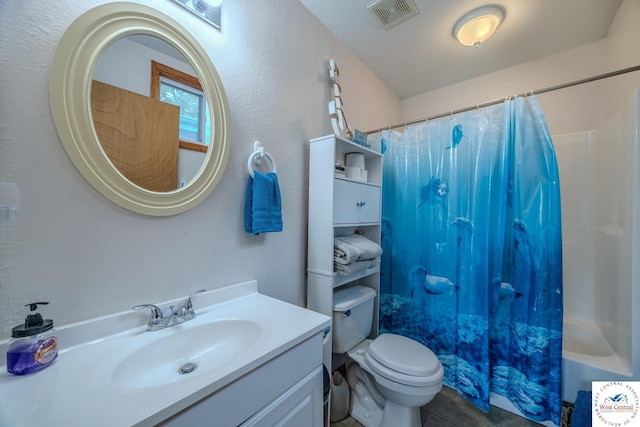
{"x":186,"y":311}
{"x":161,"y":319}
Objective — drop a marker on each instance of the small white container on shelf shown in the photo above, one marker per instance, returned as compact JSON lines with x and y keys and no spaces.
{"x":353,"y":172}
{"x":355,"y":160}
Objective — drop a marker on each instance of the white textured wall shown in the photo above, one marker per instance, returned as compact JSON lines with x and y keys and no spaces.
{"x":623,"y":52}
{"x":564,"y":110}
{"x":89,"y":257}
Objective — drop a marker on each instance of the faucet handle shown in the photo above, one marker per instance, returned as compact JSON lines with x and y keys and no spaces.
{"x":156,"y":321}
{"x":187,"y":302}
{"x":187,"y":308}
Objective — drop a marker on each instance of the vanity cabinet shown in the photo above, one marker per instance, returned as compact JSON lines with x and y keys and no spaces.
{"x":286,"y":391}
{"x":339,"y":206}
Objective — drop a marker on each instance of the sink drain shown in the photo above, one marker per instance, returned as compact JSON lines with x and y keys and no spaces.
{"x":187,"y":368}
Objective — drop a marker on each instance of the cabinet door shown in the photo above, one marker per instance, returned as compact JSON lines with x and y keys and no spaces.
{"x":355,"y":203}
{"x":370,"y":210}
{"x":301,"y":405}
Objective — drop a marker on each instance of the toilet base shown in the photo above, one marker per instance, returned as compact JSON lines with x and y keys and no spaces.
{"x":366,"y":404}
{"x":365,"y":416}
{"x":393,"y":415}
{"x":397,"y":415}
{"x":371,"y":409}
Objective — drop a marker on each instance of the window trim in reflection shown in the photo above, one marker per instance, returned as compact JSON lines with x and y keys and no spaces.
{"x":159,"y":70}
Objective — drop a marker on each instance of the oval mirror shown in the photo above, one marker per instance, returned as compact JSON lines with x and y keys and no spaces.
{"x":93,"y":97}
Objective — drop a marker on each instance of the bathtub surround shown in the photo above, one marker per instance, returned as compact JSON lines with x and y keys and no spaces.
{"x":601,"y":340}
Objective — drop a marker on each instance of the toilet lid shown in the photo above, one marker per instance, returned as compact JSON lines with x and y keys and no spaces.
{"x":404,"y":355}
{"x":378,"y":369}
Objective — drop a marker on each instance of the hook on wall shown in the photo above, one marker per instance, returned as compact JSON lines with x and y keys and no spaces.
{"x":258,"y":150}
{"x":255,"y":159}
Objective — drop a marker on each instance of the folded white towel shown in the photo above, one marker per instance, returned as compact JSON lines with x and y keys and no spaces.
{"x":346,"y":269}
{"x":354,"y":247}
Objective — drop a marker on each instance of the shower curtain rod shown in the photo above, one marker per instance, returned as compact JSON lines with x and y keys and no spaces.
{"x":498,"y":101}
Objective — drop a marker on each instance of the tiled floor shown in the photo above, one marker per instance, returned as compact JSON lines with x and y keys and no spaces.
{"x":448,"y":409}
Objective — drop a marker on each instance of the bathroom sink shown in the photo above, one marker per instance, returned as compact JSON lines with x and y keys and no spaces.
{"x":241,"y":343}
{"x":182,"y":352}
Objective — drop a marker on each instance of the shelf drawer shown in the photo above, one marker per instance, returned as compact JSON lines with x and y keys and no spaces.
{"x":355,"y":202}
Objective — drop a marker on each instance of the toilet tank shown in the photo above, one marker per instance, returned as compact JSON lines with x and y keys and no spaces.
{"x":352,"y":316}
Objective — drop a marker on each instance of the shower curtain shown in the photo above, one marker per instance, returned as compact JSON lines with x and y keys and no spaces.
{"x":472,"y":252}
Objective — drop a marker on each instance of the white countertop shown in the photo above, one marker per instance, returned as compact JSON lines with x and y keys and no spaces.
{"x":77,"y":389}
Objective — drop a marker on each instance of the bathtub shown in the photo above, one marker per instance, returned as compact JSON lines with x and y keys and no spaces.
{"x":586,"y":357}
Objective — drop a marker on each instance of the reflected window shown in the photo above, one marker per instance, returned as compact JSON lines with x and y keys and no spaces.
{"x":183,"y":90}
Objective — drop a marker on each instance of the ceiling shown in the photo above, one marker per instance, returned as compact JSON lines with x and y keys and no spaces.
{"x":421,"y":54}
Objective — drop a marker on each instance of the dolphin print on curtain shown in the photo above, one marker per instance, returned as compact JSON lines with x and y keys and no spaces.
{"x":472,"y":262}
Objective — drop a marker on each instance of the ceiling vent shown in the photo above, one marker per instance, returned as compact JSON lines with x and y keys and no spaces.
{"x":393,"y":12}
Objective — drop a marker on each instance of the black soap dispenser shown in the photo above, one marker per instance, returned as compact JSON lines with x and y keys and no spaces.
{"x":33,"y":346}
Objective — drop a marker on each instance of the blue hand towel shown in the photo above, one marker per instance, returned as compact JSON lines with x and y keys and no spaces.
{"x":263,"y":205}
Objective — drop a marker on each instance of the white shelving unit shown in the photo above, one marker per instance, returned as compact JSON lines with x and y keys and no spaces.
{"x":339,"y":206}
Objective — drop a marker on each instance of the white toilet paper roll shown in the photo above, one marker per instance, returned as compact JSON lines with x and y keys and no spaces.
{"x":353,"y":172}
{"x":355,"y":160}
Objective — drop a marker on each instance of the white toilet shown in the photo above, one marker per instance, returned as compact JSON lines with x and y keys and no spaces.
{"x":390,"y":377}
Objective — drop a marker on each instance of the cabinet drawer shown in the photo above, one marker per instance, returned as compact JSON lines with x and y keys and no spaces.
{"x":355,"y":202}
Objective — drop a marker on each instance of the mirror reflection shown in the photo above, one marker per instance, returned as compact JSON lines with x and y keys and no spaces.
{"x":150,"y":113}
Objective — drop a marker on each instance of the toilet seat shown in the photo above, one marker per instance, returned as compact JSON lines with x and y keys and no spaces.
{"x":404,"y":360}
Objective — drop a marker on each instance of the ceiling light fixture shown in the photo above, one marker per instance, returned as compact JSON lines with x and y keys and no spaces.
{"x":207,"y":10}
{"x":478,"y":25}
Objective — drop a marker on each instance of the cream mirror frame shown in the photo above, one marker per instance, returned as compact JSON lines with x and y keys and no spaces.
{"x":70,"y":95}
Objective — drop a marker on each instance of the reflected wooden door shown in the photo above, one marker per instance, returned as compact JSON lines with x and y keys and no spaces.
{"x":139,"y":134}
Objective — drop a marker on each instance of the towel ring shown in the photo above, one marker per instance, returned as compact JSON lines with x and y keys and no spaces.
{"x":253,"y":161}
